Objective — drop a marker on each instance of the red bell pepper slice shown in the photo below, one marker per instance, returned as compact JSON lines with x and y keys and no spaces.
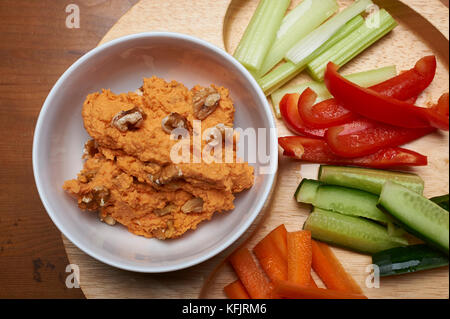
{"x":406,"y":87}
{"x":364,"y":137}
{"x":409,"y":83}
{"x":324,"y":114}
{"x":317,"y":151}
{"x":289,"y":112}
{"x":438,"y":113}
{"x":373,"y":105}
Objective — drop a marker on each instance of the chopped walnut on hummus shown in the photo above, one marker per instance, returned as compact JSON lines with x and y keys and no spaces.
{"x":205,"y":102}
{"x":128,"y":120}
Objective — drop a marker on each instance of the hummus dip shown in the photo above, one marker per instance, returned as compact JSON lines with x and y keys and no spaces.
{"x":129,"y":175}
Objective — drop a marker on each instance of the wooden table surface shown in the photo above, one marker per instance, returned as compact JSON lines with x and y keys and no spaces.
{"x":36,"y":47}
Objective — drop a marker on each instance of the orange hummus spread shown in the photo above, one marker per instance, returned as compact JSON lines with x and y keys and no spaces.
{"x":129,"y":175}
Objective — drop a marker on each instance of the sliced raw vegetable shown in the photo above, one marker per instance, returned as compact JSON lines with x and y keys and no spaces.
{"x":409,"y":83}
{"x":365,"y":79}
{"x":271,"y":258}
{"x":402,"y":260}
{"x":406,"y":87}
{"x":286,"y":71}
{"x":261,"y":33}
{"x":441,"y":201}
{"x":438,"y":114}
{"x":299,"y":257}
{"x":317,"y":151}
{"x":349,"y":201}
{"x":306,"y":46}
{"x":286,"y":289}
{"x":322,"y":115}
{"x":330,"y":270}
{"x":278,"y":237}
{"x":236,"y":290}
{"x":289,"y":113}
{"x":369,"y":180}
{"x":306,"y":191}
{"x":352,"y":232}
{"x":373,"y":105}
{"x":355,"y":43}
{"x":363,"y":137}
{"x":251,"y":276}
{"x":307,"y":16}
{"x":417,"y":214}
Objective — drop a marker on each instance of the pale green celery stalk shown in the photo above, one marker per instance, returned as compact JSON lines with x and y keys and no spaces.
{"x":364,"y":79}
{"x":307,"y":16}
{"x":285,"y":72}
{"x":260,"y":33}
{"x":353,"y":44}
{"x":306,"y":46}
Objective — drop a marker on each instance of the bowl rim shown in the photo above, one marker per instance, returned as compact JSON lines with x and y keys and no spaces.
{"x":213,"y":252}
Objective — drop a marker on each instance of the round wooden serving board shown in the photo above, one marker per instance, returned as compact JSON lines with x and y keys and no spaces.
{"x":423,"y":30}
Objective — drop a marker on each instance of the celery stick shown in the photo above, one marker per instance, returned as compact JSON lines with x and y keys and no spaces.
{"x":261,"y":33}
{"x":352,"y":45}
{"x":297,"y":24}
{"x":285,"y":72}
{"x":306,"y":46}
{"x":364,"y":79}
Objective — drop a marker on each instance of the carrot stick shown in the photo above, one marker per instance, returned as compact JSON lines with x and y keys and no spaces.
{"x":286,"y":289}
{"x":278,"y":236}
{"x":236,"y":290}
{"x":251,"y":276}
{"x":312,"y":283}
{"x":271,"y":258}
{"x":299,"y":257}
{"x":330,"y":270}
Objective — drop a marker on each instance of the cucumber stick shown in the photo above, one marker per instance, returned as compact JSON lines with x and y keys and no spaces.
{"x":306,"y":191}
{"x":349,"y":201}
{"x":355,"y":233}
{"x":369,"y":180}
{"x":261,"y":33}
{"x":402,"y":260}
{"x":417,"y":214}
{"x":442,"y":201}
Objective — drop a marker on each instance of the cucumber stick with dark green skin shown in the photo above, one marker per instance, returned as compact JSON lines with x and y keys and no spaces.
{"x":369,"y":180}
{"x":417,"y":214}
{"x":402,"y":260}
{"x":306,"y":191}
{"x":442,"y":201}
{"x":349,"y":201}
{"x":355,"y":233}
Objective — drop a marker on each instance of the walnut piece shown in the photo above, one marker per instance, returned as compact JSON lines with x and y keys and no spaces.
{"x":168,"y":209}
{"x":90,"y":149}
{"x":128,"y":120}
{"x":205,"y":101}
{"x":107,"y":219}
{"x":168,"y":174}
{"x":173,"y":121}
{"x":97,"y":197}
{"x":194,"y":205}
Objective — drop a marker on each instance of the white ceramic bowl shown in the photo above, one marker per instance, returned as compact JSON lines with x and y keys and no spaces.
{"x":121,"y":65}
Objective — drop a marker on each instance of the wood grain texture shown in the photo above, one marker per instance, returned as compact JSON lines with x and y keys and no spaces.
{"x":414,"y":38}
{"x":35,"y":49}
